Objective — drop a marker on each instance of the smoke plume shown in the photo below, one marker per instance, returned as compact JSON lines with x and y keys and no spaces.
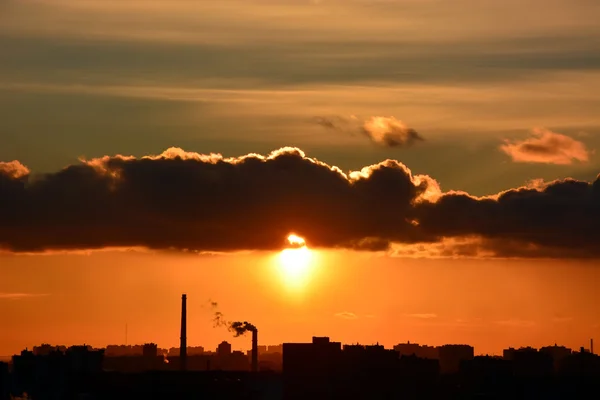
{"x":240,"y":328}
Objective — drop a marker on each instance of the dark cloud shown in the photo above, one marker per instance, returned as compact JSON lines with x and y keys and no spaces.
{"x":206,"y":203}
{"x":383,"y":131}
{"x":188,"y":201}
{"x":546,"y":147}
{"x":557,"y":219}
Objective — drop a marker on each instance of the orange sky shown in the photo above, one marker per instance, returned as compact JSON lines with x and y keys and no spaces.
{"x":489,"y":304}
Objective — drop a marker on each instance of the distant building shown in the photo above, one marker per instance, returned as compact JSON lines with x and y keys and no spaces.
{"x":452,"y":355}
{"x":308,"y":367}
{"x":123,"y":350}
{"x":150,"y":350}
{"x":528,"y":361}
{"x":195,"y":351}
{"x":269,"y":357}
{"x":374,"y":357}
{"x":47,"y":349}
{"x":4,"y":381}
{"x":48,"y":376}
{"x":581,"y":364}
{"x":326,"y":370}
{"x":191,"y":351}
{"x":508,"y":354}
{"x":414,"y":349}
{"x":558,"y":354}
{"x":276,"y":349}
{"x":224,"y":349}
{"x":305,"y":357}
{"x":262,"y":349}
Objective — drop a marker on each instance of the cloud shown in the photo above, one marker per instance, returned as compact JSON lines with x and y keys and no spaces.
{"x":346,"y":315}
{"x":559,"y":319}
{"x":558,"y":219}
{"x":19,"y":296}
{"x":422,"y":316}
{"x":546,"y":147}
{"x":189,"y":201}
{"x":383,"y":131}
{"x":390,"y":132}
{"x":13,"y":169}
{"x":185,"y":201}
{"x":516,"y":323}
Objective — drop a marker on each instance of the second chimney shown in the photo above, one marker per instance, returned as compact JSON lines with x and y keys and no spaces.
{"x":255,"y":350}
{"x":183,"y":338}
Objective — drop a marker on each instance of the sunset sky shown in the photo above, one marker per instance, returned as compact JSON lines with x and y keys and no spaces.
{"x":438,"y":157}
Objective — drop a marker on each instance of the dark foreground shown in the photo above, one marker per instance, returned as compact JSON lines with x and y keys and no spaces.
{"x":244,"y":385}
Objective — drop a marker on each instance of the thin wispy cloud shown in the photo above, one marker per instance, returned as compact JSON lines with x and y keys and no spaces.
{"x":422,"y":316}
{"x":516,"y":323}
{"x":20,"y":296}
{"x":562,"y":319}
{"x":346,"y":315}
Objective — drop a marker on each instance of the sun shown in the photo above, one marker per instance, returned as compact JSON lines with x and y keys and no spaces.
{"x":295,"y":240}
{"x":296,"y":262}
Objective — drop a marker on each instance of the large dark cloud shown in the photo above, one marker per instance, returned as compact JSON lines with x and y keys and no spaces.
{"x":198,"y":202}
{"x":187,"y":201}
{"x":558,"y":219}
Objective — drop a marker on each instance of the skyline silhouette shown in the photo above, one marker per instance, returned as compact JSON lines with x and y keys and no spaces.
{"x":240,"y":328}
{"x":318,"y":369}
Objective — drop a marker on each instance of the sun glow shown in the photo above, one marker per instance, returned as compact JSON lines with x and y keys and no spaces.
{"x":296,"y":263}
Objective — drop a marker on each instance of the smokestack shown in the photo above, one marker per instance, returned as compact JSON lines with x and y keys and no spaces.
{"x":183,"y":338}
{"x":592,"y":346}
{"x":255,"y":350}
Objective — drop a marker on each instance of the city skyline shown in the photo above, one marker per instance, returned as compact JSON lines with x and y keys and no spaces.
{"x":320,"y":368}
{"x":238,"y":330}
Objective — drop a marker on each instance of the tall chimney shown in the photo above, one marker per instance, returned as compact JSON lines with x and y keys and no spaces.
{"x":255,"y":350}
{"x":183,"y":338}
{"x":592,"y":346}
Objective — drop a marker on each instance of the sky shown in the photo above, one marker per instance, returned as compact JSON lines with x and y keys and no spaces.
{"x":438,"y":157}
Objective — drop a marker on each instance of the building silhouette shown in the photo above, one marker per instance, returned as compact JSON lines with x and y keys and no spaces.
{"x":320,"y":369}
{"x":557,"y":354}
{"x":224,"y":349}
{"x":452,"y":355}
{"x":57,"y":373}
{"x":414,"y":349}
{"x":5,"y":381}
{"x":147,"y":358}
